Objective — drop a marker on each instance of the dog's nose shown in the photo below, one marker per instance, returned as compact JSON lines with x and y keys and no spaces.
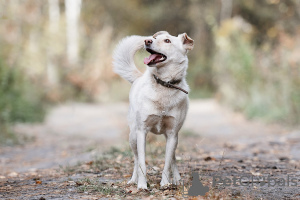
{"x":148,"y":42}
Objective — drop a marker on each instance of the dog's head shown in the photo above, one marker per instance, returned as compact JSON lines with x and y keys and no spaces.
{"x":165,"y":48}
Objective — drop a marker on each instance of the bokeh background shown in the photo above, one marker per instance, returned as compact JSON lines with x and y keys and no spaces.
{"x":246,"y":53}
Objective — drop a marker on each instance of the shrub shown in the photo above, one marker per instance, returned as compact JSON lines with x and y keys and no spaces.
{"x":262,"y":82}
{"x":19,"y":101}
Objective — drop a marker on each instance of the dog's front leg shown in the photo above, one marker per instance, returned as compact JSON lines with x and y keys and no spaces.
{"x":141,"y":147}
{"x":175,"y":172}
{"x":133,"y":145}
{"x":172,"y":140}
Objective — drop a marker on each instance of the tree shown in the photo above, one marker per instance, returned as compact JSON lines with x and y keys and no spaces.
{"x":72,"y":18}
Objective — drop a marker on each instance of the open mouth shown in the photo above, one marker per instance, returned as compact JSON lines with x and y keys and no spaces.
{"x":154,"y":58}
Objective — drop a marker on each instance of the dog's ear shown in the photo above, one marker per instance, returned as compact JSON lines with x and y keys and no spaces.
{"x":159,"y":33}
{"x":188,"y":43}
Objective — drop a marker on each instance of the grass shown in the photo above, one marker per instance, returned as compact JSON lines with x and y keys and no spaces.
{"x":7,"y":137}
{"x":126,"y":152}
{"x":189,"y":133}
{"x":100,"y":163}
{"x":19,"y":102}
{"x":92,"y":185}
{"x":69,"y":169}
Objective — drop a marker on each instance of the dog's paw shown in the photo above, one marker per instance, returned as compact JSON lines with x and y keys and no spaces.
{"x":142,"y":186}
{"x":164,"y":183}
{"x":176,"y":178}
{"x":132,"y":181}
{"x":165,"y":186}
{"x":176,"y":181}
{"x":165,"y":179}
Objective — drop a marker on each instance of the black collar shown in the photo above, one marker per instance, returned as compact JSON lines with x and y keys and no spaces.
{"x":169,"y":84}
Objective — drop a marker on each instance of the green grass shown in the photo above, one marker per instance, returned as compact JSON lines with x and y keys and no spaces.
{"x":7,"y":137}
{"x":70,"y":169}
{"x":100,"y":163}
{"x":189,"y":133}
{"x":93,"y":185}
{"x":20,"y":101}
{"x":113,"y":151}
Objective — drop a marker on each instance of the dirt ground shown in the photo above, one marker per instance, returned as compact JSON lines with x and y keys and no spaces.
{"x":81,"y":151}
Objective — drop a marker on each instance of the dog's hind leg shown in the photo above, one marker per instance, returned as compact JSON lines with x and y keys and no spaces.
{"x":133,"y":145}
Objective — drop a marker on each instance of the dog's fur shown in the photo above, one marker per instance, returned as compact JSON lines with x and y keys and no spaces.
{"x":154,"y":107}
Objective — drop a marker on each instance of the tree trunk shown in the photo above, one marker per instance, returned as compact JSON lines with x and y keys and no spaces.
{"x":226,"y":10}
{"x":54,"y":15}
{"x":72,"y":17}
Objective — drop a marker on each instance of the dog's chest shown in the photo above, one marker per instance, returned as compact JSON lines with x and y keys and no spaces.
{"x":159,"y":124}
{"x":163,"y":103}
{"x":162,"y":107}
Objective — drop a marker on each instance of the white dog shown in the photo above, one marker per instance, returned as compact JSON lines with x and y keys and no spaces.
{"x":158,"y":98}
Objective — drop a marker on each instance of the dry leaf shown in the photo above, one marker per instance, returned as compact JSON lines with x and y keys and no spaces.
{"x":89,"y":163}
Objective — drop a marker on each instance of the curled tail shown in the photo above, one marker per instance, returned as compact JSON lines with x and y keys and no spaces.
{"x":123,"y":57}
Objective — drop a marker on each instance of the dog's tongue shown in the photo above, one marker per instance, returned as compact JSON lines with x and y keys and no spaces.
{"x":151,"y":58}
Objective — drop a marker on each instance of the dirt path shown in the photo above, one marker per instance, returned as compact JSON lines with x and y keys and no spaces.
{"x":213,"y":142}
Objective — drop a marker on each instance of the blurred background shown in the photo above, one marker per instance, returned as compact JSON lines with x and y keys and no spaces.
{"x":246,"y":53}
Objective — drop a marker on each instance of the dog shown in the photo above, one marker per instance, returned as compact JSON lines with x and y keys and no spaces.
{"x":158,"y":97}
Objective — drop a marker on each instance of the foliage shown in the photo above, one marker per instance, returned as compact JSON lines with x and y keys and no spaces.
{"x":261,"y":83}
{"x":37,"y":44}
{"x":18,"y":103}
{"x":266,"y":24}
{"x":196,"y":18}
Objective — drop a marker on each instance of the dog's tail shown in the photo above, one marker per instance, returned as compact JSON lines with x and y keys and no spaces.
{"x":123,"y":57}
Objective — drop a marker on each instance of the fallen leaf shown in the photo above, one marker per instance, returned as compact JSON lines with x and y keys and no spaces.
{"x":208,"y":158}
{"x":79,"y":183}
{"x":132,"y":190}
{"x":71,"y":183}
{"x":178,"y":158}
{"x":89,"y":163}
{"x":13,"y":174}
{"x":127,"y":175}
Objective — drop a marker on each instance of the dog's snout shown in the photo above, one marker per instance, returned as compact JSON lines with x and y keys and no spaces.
{"x":148,"y":42}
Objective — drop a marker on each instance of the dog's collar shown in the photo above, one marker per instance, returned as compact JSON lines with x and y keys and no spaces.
{"x":169,"y":84}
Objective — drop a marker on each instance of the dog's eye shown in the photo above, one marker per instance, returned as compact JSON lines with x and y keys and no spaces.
{"x":167,"y":41}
